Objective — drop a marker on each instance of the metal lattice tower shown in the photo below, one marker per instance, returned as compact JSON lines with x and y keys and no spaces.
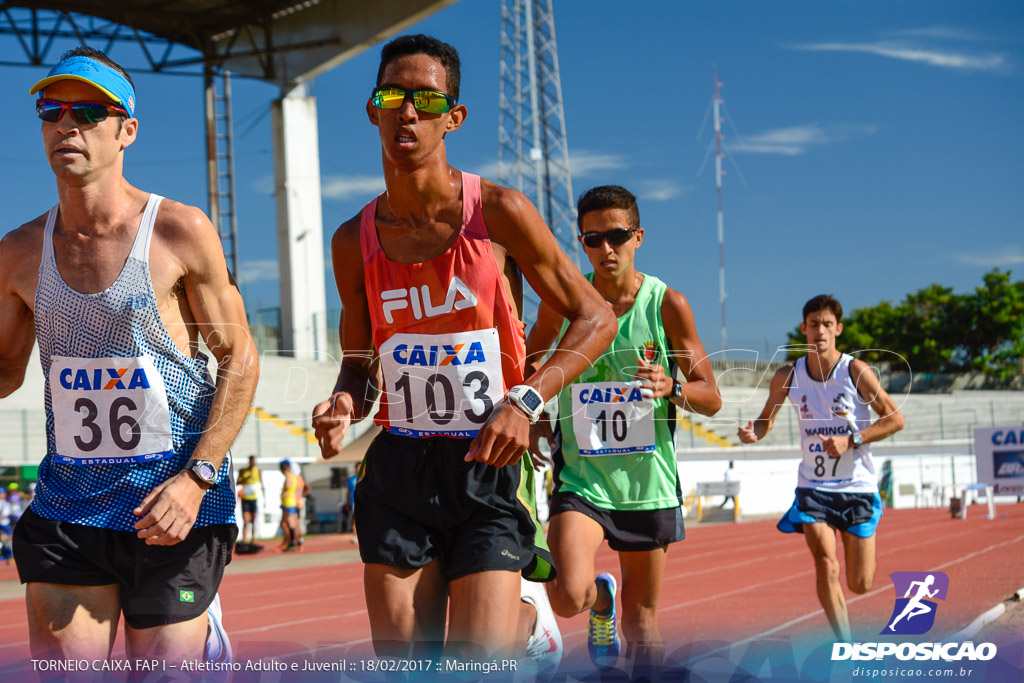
{"x":533,"y":153}
{"x":220,"y":159}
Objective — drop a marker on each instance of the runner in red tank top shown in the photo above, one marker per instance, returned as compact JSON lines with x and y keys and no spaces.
{"x":429,"y":278}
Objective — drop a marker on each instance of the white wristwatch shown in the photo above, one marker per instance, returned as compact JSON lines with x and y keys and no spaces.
{"x":527,"y":399}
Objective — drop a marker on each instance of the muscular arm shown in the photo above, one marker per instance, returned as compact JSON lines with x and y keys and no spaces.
{"x":514,"y":223}
{"x":777,"y":394}
{"x":890,"y":419}
{"x":16,"y":319}
{"x":169,"y":511}
{"x":217,"y":307}
{"x":700,"y":392}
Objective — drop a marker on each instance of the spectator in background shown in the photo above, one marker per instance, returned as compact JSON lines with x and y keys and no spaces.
{"x":304,"y":492}
{"x":289,"y":507}
{"x":14,"y":498}
{"x":5,"y":527}
{"x":730,"y":475}
{"x":249,"y":479}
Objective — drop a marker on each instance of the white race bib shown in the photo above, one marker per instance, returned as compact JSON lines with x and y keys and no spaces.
{"x":441,"y":384}
{"x":612,"y":418}
{"x":250,"y":490}
{"x":109,"y":411}
{"x":819,"y":466}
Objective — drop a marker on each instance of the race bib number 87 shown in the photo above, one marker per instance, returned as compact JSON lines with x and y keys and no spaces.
{"x":612,"y":418}
{"x":443,"y":384}
{"x":109,"y":411}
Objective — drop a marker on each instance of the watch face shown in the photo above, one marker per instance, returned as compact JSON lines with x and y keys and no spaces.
{"x":206,"y":471}
{"x":532,"y":400}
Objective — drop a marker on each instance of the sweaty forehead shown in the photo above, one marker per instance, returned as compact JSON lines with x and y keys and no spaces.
{"x":602,"y":219}
{"x":415,"y":71}
{"x":70,"y":90}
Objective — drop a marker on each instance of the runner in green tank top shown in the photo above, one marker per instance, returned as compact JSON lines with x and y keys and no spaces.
{"x":615,"y":468}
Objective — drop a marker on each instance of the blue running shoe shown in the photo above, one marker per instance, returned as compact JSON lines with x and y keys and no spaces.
{"x":602,"y":632}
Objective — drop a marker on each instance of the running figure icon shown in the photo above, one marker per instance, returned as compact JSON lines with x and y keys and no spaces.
{"x":916,"y":606}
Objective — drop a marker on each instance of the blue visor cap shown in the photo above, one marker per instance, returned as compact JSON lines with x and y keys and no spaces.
{"x":99,"y":75}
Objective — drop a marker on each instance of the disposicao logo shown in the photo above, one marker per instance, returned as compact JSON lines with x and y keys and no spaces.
{"x":914,"y":613}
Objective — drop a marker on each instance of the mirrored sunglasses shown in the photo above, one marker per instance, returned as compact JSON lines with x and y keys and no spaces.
{"x":429,"y":101}
{"x":83,"y":112}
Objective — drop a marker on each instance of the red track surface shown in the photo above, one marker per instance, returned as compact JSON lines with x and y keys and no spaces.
{"x":728,"y":582}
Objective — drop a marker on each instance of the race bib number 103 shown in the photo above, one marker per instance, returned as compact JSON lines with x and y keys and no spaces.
{"x":109,"y":411}
{"x":443,"y":384}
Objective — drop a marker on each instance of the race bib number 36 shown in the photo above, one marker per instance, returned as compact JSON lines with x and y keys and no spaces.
{"x":612,"y":418}
{"x":444,"y":384}
{"x":109,"y":411}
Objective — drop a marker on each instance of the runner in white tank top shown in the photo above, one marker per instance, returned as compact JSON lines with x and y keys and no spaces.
{"x":837,"y":486}
{"x":117,"y":286}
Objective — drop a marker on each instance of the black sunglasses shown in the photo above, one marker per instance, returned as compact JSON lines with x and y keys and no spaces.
{"x":614,"y":237}
{"x":83,"y":112}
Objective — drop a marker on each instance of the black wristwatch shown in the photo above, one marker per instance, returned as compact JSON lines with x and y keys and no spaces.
{"x":857,"y":439}
{"x":677,"y":389}
{"x":204,"y":471}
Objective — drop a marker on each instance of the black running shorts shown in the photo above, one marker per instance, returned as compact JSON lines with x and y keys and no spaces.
{"x":418,"y":500}
{"x":626,"y":530}
{"x":158,"y":584}
{"x":249,"y":506}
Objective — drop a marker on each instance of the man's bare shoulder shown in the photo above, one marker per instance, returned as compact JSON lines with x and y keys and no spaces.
{"x":675,"y":301}
{"x":507,"y":212}
{"x":347,"y":234}
{"x":783,"y":375}
{"x":183,"y":224}
{"x":22,"y":247}
{"x":501,"y":200}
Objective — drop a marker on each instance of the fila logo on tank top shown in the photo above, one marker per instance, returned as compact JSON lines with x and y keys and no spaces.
{"x":448,"y":341}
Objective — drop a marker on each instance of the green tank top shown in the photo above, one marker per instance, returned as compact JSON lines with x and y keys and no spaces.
{"x":617,"y":448}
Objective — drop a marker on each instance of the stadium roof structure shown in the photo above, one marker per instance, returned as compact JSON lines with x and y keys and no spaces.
{"x":280,"y":41}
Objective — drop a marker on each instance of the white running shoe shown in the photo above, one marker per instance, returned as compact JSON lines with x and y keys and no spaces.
{"x":218,"y":646}
{"x":544,"y":646}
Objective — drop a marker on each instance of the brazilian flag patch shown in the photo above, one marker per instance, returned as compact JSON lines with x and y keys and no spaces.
{"x":187,"y":596}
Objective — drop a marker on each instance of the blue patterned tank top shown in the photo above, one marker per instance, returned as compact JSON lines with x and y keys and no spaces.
{"x":125,"y":407}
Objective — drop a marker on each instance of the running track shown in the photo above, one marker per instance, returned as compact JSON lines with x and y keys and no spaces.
{"x":725,"y":582}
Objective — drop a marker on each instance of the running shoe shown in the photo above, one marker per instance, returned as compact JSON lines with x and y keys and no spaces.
{"x":218,"y":646}
{"x":544,"y":646}
{"x":602,"y":632}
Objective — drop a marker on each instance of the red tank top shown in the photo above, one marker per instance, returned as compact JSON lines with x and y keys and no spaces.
{"x":449,"y":343}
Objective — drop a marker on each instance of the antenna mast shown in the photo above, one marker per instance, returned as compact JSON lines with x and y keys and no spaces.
{"x":719,"y":155}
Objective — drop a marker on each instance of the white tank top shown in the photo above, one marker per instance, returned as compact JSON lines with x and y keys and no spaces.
{"x":125,"y":408}
{"x":831,"y":408}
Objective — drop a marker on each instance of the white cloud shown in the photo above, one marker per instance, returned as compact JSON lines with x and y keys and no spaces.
{"x":932,"y":57}
{"x":256,"y":271}
{"x":796,"y":140}
{"x":659,"y":190}
{"x":1011,"y":255}
{"x":344,"y":187}
{"x":942,"y":33}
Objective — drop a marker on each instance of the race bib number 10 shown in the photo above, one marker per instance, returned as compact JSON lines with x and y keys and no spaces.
{"x":109,"y":411}
{"x":441,"y":384}
{"x":612,"y":418}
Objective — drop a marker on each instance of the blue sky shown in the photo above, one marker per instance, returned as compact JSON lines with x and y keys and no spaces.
{"x":872,"y":148}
